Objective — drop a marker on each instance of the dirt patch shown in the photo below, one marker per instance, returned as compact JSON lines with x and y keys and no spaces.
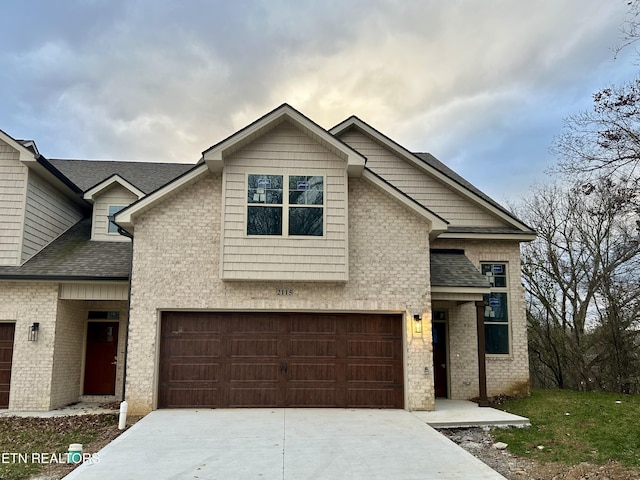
{"x":480,"y":443}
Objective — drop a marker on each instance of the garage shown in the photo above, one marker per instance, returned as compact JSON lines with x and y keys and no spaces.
{"x":218,"y":360}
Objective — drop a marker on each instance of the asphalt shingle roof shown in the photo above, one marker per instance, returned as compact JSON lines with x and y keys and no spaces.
{"x":73,"y":256}
{"x":455,"y":270}
{"x":146,"y":176}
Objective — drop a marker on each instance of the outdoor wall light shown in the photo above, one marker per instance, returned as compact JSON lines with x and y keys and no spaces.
{"x":417,"y":323}
{"x":33,"y":332}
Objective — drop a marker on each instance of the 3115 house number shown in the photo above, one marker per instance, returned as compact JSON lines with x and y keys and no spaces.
{"x":284,"y":292}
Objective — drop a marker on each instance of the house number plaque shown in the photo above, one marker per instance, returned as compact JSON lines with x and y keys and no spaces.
{"x":284,"y":292}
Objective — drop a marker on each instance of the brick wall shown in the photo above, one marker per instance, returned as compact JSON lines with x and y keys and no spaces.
{"x":176,"y":266}
{"x":25,"y":303}
{"x":505,"y":373}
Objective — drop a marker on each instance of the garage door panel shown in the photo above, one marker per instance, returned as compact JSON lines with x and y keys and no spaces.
{"x":281,"y":360}
{"x":187,"y":348}
{"x":251,"y":347}
{"x":311,"y":397}
{"x":190,"y":397}
{"x":312,"y":348}
{"x":327,"y":324}
{"x":368,"y":372}
{"x":254,"y":397}
{"x":312,"y":372}
{"x":254,"y":372}
{"x":189,"y":372}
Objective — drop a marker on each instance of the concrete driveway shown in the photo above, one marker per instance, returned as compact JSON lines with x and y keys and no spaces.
{"x":289,"y":444}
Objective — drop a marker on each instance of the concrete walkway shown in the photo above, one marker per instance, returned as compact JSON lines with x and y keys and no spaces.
{"x":463,"y":413}
{"x":288,"y":444}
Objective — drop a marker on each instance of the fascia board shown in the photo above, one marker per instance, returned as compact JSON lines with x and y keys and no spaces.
{"x":214,"y":156}
{"x":114,"y":179}
{"x":124,"y":218}
{"x":437,"y":224}
{"x":421,"y":165}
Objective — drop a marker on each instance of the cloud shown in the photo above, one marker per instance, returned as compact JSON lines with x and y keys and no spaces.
{"x":163,"y":80}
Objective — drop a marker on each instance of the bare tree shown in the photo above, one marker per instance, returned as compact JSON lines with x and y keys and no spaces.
{"x":574,"y":274}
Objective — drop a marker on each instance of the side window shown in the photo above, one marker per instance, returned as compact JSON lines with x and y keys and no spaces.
{"x":496,"y":313}
{"x":113,"y":209}
{"x":300,"y":196}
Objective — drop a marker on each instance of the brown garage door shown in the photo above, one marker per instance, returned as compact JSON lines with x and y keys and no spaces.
{"x":7,"y":331}
{"x":280,"y":360}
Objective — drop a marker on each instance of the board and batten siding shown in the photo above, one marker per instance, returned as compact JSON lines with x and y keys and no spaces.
{"x":115,"y":195}
{"x":13,"y":185}
{"x":431,"y":193}
{"x":285,"y":150}
{"x":48,"y":214}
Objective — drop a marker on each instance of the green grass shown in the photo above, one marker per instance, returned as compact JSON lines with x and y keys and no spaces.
{"x":45,"y":436}
{"x":574,"y":427}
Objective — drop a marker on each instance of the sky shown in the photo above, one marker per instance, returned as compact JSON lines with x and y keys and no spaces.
{"x":484,"y":85}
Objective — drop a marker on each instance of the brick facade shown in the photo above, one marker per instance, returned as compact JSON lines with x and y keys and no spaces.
{"x":505,"y":373}
{"x":176,"y":266}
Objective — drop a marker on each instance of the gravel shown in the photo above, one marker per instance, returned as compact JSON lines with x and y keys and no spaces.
{"x":482,"y":444}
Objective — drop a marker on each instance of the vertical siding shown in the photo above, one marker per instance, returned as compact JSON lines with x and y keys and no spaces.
{"x":285,"y":151}
{"x":48,"y":214}
{"x":419,"y":185}
{"x":13,"y":184}
{"x":116,"y":195}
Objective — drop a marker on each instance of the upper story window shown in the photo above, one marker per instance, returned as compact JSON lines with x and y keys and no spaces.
{"x":294,"y":205}
{"x":113,"y":209}
{"x":496,"y":313}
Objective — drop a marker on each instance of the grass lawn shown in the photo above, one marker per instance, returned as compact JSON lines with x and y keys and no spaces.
{"x":573,"y":427}
{"x":46,"y":436}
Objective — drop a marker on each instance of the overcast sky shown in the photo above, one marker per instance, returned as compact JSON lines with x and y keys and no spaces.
{"x":483,"y":85}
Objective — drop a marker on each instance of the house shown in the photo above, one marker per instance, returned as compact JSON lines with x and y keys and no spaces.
{"x":290,"y":266}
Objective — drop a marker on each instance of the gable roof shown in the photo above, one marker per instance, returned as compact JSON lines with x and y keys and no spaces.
{"x":73,"y":256}
{"x":146,"y":176}
{"x":432,"y":166}
{"x":114,"y":179}
{"x":214,"y":156}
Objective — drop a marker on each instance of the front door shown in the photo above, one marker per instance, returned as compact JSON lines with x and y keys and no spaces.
{"x":7,"y":331}
{"x":100,"y":360}
{"x":440,"y":358}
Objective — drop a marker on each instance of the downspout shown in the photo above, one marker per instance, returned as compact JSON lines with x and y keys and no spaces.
{"x":483,"y":401}
{"x":124,"y":233}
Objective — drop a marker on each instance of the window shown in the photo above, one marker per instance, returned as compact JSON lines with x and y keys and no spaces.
{"x":496,"y":313}
{"x":302,"y":197}
{"x":113,"y":209}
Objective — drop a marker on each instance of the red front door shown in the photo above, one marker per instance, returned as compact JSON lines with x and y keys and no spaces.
{"x":100,"y":360}
{"x":440,"y":358}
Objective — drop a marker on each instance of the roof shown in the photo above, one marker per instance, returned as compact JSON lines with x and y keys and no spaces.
{"x":454,"y":269}
{"x":147,"y":176}
{"x":73,"y":256}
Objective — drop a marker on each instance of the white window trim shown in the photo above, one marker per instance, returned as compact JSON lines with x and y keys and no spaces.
{"x":122,"y":207}
{"x":285,"y":204}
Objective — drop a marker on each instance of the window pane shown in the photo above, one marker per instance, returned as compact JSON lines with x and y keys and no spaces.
{"x":497,"y":310}
{"x":496,"y":273}
{"x":496,"y":338}
{"x":264,"y":221}
{"x":265,"y":189}
{"x":305,"y":221}
{"x":113,"y":209}
{"x":306,"y":190}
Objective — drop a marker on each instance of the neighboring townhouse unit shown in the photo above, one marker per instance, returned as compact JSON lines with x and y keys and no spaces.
{"x":290,"y":267}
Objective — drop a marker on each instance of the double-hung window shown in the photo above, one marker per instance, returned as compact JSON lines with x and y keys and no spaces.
{"x":282,"y":205}
{"x":496,"y":313}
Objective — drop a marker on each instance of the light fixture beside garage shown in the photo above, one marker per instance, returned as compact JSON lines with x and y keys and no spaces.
{"x":417,"y":323}
{"x":33,"y":332}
